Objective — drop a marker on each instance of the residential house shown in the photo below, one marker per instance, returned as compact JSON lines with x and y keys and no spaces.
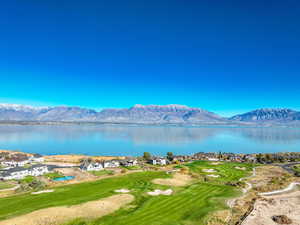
{"x":158,"y":161}
{"x":129,"y":162}
{"x":97,"y":166}
{"x":20,"y":173}
{"x":14,"y":163}
{"x":111,"y":164}
{"x":37,"y":158}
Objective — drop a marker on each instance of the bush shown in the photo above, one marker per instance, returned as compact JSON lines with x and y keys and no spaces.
{"x":53,"y":175}
{"x":30,"y":183}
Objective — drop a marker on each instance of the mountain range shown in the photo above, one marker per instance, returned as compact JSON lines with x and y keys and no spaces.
{"x":144,"y":114}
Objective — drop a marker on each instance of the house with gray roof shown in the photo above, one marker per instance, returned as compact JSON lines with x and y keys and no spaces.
{"x":21,"y":172}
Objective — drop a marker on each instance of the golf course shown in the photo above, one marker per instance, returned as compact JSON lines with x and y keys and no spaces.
{"x":190,"y":204}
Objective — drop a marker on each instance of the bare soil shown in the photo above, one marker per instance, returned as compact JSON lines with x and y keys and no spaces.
{"x":266,"y":208}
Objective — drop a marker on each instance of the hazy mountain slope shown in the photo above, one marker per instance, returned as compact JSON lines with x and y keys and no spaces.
{"x":159,"y":114}
{"x":268,"y":115}
{"x":149,"y":114}
{"x":136,"y":114}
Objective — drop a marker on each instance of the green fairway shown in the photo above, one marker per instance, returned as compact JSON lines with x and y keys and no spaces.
{"x":77,"y":193}
{"x":187,"y":206}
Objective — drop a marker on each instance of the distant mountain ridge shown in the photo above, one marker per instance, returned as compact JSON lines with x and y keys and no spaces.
{"x":266,"y":115}
{"x":136,"y":114}
{"x":142,"y":114}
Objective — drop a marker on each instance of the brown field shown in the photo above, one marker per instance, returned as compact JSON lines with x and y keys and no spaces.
{"x":270,"y":178}
{"x":76,"y":158}
{"x":59,"y":215}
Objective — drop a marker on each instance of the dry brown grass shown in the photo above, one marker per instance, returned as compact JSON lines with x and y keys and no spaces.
{"x":76,"y":158}
{"x":59,"y":215}
{"x":219,"y":218}
{"x":270,"y":178}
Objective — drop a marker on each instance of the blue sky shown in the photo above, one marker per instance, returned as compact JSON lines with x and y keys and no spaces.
{"x":225,"y":56}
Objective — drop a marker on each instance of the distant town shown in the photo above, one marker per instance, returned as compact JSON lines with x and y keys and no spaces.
{"x":17,"y":165}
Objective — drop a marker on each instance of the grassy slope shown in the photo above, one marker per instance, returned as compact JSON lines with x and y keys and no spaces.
{"x":5,"y":185}
{"x":188,"y":206}
{"x":102,"y":172}
{"x":77,"y":193}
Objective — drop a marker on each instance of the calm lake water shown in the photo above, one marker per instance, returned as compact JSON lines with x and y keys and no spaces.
{"x":134,"y":140}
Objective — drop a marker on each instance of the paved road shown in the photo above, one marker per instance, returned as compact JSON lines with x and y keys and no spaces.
{"x":288,"y":166}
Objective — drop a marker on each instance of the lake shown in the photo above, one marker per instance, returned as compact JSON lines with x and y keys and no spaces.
{"x":129,"y":140}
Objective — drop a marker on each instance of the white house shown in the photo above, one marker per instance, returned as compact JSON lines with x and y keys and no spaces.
{"x":14,"y":163}
{"x":92,"y":166}
{"x":20,"y":173}
{"x":213,"y":159}
{"x":158,"y":161}
{"x":36,"y":158}
{"x":111,"y":164}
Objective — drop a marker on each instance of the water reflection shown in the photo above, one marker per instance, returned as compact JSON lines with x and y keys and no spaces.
{"x":121,"y":140}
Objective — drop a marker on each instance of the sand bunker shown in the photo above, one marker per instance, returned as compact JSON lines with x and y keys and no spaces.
{"x":213,"y":175}
{"x":209,"y":170}
{"x":216,"y":163}
{"x":160,"y":192}
{"x":122,"y":191}
{"x":177,"y":180}
{"x":42,"y":192}
{"x":284,"y":204}
{"x":59,"y":215}
{"x":240,"y":168}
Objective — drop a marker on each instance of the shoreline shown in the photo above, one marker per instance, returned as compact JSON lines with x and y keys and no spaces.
{"x":201,"y":125}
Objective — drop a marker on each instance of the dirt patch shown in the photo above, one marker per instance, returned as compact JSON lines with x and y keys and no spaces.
{"x":177,"y":180}
{"x":158,"y":192}
{"x":59,"y":215}
{"x":287,"y":205}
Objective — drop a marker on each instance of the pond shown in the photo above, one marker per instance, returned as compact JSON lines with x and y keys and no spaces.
{"x":66,"y":178}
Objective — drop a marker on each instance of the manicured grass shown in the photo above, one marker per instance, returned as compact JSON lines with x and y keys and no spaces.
{"x":132,"y":167}
{"x":53,"y":175}
{"x":102,"y":172}
{"x":188,"y":205}
{"x":5,"y":185}
{"x":226,"y":170}
{"x":77,"y":193}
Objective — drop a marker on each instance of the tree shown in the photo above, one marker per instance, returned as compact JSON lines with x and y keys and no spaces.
{"x":147,"y":156}
{"x":170,"y":156}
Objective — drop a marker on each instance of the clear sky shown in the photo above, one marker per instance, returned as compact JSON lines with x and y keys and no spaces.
{"x":224,"y":56}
